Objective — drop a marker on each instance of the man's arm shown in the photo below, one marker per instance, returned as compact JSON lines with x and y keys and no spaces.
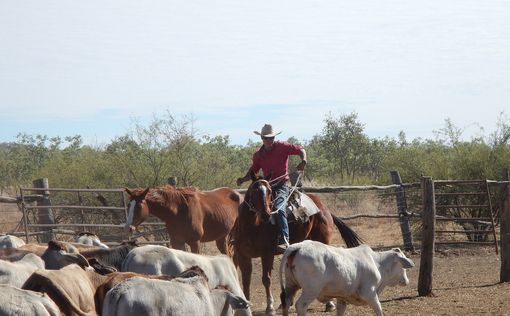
{"x":302,"y":164}
{"x":245,"y":178}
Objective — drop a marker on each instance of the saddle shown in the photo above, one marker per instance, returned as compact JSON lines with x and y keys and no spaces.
{"x":300,"y":207}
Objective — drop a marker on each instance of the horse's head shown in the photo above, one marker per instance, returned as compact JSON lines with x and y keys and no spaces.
{"x":258,"y":198}
{"x":138,"y":210}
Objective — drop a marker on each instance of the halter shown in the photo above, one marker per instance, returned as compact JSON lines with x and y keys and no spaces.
{"x":251,"y":207}
{"x":272,"y":201}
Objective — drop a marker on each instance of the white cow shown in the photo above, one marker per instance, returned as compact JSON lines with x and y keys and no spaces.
{"x":15,"y":301}
{"x":180,"y":296}
{"x":153,"y":259}
{"x":9,"y":241}
{"x":351,"y":275}
{"x":16,"y":273}
{"x":90,"y":239}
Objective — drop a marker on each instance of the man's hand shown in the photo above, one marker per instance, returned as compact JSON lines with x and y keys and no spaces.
{"x":301,"y":165}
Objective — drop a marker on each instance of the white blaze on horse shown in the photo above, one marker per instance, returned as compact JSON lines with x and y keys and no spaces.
{"x":352,"y":276}
{"x":191,"y":216}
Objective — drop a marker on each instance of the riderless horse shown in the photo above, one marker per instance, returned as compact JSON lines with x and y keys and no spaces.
{"x":191,"y":216}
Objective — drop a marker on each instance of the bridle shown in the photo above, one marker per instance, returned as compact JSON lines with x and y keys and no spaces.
{"x":253,"y":209}
{"x":250,"y":203}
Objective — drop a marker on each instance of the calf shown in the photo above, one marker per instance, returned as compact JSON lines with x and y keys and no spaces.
{"x":9,"y":241}
{"x":15,"y":301}
{"x":354,"y":275}
{"x":185,"y":295}
{"x":153,"y":259}
{"x":72,"y":288}
{"x":16,"y":273}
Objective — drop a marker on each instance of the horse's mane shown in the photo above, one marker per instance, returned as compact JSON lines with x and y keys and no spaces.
{"x":171,"y":193}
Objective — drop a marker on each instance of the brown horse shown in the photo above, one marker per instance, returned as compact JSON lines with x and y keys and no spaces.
{"x":255,"y":236}
{"x":191,"y":216}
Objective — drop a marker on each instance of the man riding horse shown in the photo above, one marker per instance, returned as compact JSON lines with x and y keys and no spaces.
{"x":273,"y":158}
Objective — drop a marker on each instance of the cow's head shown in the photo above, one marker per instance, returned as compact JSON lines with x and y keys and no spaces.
{"x":60,"y":254}
{"x":397,"y":264}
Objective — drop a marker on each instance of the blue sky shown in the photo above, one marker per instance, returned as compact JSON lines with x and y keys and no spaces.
{"x":89,"y":67}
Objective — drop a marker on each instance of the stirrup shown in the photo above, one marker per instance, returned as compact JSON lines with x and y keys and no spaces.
{"x":280,"y":249}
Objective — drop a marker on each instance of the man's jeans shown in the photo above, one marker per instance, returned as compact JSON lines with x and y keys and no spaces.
{"x":280,"y":193}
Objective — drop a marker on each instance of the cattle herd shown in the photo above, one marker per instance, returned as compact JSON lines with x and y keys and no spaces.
{"x":88,"y":278}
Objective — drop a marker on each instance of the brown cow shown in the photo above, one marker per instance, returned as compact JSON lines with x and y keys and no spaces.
{"x":72,"y":288}
{"x":80,"y":292}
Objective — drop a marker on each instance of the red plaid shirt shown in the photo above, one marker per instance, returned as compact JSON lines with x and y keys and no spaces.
{"x":276,"y":161}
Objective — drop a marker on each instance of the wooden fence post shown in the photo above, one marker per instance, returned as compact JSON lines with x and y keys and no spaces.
{"x":504,"y":275}
{"x":402,"y":212}
{"x":427,"y":242}
{"x":45,"y":215}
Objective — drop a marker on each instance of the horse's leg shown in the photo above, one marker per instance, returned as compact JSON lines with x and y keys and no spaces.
{"x":222,"y":245}
{"x":176,"y":244}
{"x":267,"y":266}
{"x":246,"y":268}
{"x":195,"y":246}
{"x":341,"y":307}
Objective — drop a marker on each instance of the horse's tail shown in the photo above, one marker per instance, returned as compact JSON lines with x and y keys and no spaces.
{"x":348,"y":235}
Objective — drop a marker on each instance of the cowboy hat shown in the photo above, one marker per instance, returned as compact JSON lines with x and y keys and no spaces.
{"x":267,"y":131}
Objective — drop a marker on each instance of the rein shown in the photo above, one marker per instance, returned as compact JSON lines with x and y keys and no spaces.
{"x":288,"y":196}
{"x":276,"y":179}
{"x":253,"y":209}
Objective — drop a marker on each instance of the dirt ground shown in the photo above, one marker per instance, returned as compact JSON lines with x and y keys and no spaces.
{"x":465,"y":280}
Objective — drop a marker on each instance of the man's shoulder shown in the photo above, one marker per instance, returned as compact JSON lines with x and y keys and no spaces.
{"x":285,"y":144}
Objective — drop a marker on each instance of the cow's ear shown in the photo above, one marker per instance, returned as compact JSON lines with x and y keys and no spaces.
{"x":128,"y":191}
{"x":101,"y":268}
{"x":406,"y":262}
{"x":237,"y":302}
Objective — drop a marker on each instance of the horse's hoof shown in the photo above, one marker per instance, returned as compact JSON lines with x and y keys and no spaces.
{"x":330,"y":306}
{"x":270,"y":311}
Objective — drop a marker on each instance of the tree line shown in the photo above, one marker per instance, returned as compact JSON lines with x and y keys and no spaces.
{"x":341,"y":154}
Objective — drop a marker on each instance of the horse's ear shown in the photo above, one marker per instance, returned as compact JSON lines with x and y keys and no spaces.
{"x":144,"y":193}
{"x":268,"y":176}
{"x":128,"y":191}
